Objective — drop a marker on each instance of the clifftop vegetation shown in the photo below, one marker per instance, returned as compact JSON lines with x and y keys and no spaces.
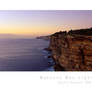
{"x":87,"y":32}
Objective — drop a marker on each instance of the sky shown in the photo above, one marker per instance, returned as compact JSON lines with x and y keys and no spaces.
{"x":34,"y":23}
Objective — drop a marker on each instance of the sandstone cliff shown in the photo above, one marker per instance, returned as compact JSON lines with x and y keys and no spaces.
{"x":72,"y":51}
{"x":43,"y":37}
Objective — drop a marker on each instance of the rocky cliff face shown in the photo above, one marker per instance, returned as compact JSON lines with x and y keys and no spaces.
{"x":43,"y":37}
{"x":71,"y":52}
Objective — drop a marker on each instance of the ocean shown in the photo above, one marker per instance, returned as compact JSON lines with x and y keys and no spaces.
{"x":24,"y":55}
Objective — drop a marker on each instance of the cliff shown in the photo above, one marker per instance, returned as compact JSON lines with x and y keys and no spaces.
{"x":72,"y":51}
{"x":43,"y":37}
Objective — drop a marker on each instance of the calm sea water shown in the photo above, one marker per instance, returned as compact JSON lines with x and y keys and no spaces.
{"x":24,"y":55}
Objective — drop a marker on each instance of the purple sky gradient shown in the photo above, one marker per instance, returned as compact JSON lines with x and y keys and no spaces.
{"x":56,"y":19}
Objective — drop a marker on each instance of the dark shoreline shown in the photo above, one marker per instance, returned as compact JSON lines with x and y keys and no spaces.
{"x":49,"y":56}
{"x":56,"y":66}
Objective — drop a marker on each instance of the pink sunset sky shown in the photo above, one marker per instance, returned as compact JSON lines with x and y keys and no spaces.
{"x":38,"y":22}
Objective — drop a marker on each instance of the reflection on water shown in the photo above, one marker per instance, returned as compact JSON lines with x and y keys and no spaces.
{"x":24,"y":54}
